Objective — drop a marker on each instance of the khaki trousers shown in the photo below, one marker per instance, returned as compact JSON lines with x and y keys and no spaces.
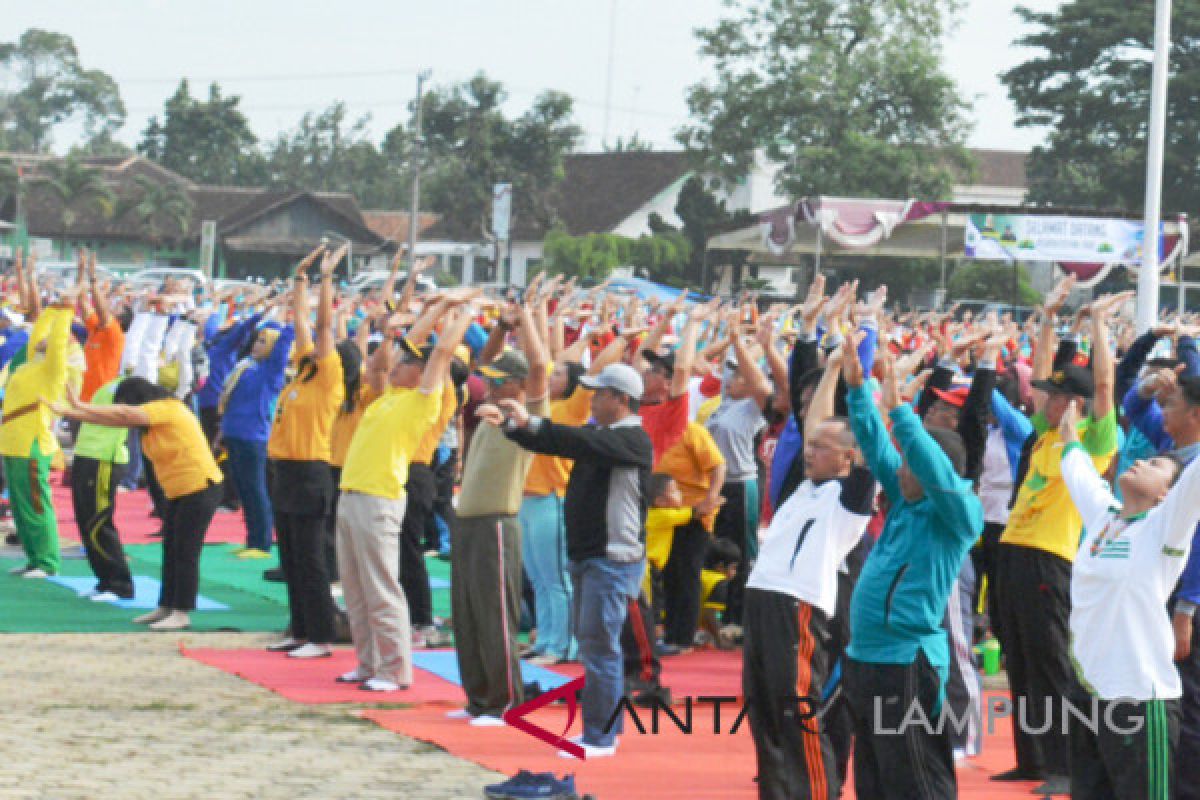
{"x":368,"y":551}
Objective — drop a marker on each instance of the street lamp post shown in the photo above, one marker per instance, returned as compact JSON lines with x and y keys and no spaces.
{"x":418,"y":152}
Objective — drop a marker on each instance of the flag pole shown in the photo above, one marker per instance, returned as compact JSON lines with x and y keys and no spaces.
{"x":1147,"y":295}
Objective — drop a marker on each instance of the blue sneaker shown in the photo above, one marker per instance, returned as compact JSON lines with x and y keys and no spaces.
{"x":529,"y":786}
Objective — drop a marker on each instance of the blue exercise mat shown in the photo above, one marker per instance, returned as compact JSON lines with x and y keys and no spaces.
{"x":444,"y":664}
{"x":145,"y":592}
{"x":438,"y":583}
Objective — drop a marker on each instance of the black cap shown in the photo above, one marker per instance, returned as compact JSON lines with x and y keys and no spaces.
{"x":952,"y":445}
{"x":667,"y":361}
{"x":1071,"y":379}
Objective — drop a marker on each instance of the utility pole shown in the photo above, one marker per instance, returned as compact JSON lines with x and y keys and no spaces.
{"x":417,"y":159}
{"x":608,"y":82}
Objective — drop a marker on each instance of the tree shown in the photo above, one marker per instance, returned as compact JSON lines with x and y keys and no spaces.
{"x":1089,"y":82}
{"x":328,"y":152}
{"x":470,"y":145}
{"x":848,"y":97}
{"x":634,"y":144}
{"x":77,"y":186}
{"x":163,"y":208}
{"x":986,"y":280}
{"x":208,"y":141}
{"x":51,"y":87}
{"x":659,"y":257}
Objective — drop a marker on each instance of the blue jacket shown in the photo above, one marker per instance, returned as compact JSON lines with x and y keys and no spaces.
{"x":1014,"y":426}
{"x":898,"y":604}
{"x":252,"y":402}
{"x":223,"y":349}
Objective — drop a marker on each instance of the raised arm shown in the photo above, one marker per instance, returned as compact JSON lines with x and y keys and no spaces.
{"x":1088,"y":491}
{"x":537,"y":384}
{"x":300,"y":308}
{"x":100,"y":299}
{"x":1103,"y":369}
{"x":439,"y":361}
{"x":872,"y":436}
{"x":326,"y":339}
{"x":112,"y":416}
{"x":820,"y":407}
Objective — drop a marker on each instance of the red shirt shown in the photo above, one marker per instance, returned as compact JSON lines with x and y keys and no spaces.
{"x":665,"y":423}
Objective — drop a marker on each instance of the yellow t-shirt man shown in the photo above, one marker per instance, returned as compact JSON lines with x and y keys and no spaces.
{"x":1044,"y":517}
{"x":690,"y":461}
{"x":386,"y":439}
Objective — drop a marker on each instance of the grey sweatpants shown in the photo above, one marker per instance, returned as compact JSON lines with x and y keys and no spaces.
{"x":485,"y":592}
{"x":368,"y":552}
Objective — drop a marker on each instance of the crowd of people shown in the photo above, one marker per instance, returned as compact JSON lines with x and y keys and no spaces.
{"x":852,"y":495}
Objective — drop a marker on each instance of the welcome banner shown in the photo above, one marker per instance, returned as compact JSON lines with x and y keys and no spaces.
{"x":1015,"y":237}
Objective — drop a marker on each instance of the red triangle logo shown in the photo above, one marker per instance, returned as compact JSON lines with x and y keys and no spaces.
{"x":516,"y":717}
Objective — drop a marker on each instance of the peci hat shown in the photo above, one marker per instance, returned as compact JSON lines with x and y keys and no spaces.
{"x":1071,"y":379}
{"x":667,"y":361}
{"x":510,"y":364}
{"x":618,"y":377}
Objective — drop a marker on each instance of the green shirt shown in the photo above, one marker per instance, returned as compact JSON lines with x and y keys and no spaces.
{"x":99,"y":441}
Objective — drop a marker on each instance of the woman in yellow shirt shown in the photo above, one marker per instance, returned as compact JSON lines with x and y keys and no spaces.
{"x":191,"y":480}
{"x":301,"y":483}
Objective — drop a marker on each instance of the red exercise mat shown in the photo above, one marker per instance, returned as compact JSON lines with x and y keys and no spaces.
{"x":670,"y":765}
{"x":312,"y":680}
{"x":133,"y":519}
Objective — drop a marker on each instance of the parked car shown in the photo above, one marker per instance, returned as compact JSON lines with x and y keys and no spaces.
{"x":373,"y":280}
{"x":63,"y":272}
{"x":227,"y":284}
{"x":154,"y":276}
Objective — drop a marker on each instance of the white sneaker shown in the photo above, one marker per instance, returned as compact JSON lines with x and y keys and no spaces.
{"x":353,"y":676}
{"x":487,"y":721}
{"x":284,"y":645}
{"x":19,"y":570}
{"x":174,"y":621}
{"x":310,"y":650}
{"x":152,"y":616}
{"x":104,"y":597}
{"x":546,"y":660}
{"x":459,"y":713}
{"x":36,"y":572}
{"x":88,"y":594}
{"x":380,"y":685}
{"x":590,"y":750}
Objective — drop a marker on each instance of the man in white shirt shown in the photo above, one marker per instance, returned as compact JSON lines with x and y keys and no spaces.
{"x":791,"y":595}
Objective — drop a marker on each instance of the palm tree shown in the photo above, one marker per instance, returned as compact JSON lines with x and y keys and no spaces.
{"x":154,"y":203}
{"x":77,"y":186}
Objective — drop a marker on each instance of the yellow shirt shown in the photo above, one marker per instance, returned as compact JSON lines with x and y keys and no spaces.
{"x":660,"y":533}
{"x":303,"y":426}
{"x":425,"y":450}
{"x":549,"y":474}
{"x":346,"y":423}
{"x":689,"y":461}
{"x":42,"y":375}
{"x":175,"y":443}
{"x":387,"y":437}
{"x":1044,"y":517}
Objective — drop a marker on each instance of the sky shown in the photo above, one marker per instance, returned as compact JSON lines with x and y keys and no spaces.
{"x":285,"y":58}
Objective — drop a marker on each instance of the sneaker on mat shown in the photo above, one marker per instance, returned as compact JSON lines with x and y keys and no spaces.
{"x":590,"y":750}
{"x":527,"y":785}
{"x":459,"y":713}
{"x":253,"y":553}
{"x":285,"y":645}
{"x":310,"y":650}
{"x":35,"y":572}
{"x":380,"y":685}
{"x":104,"y":597}
{"x":152,"y":616}
{"x":175,"y":621}
{"x":20,"y":570}
{"x":487,"y":721}
{"x":546,"y":660}
{"x":353,"y":676}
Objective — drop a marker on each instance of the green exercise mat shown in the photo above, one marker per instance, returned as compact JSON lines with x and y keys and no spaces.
{"x":39,"y":606}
